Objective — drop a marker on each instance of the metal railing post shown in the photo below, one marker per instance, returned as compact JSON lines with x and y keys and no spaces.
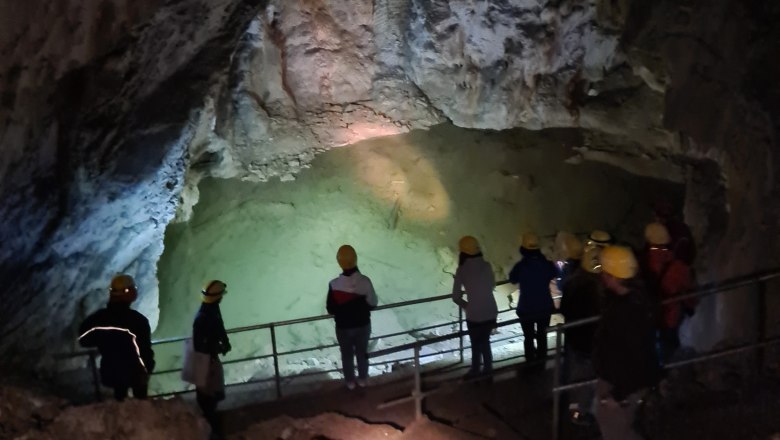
{"x":277,"y":378}
{"x":417,"y":392}
{"x":95,"y":379}
{"x":460,"y":329}
{"x":556,"y":383}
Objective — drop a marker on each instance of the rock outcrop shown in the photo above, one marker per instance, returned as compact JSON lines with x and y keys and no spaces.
{"x":311,"y":75}
{"x":95,"y":129}
{"x":27,"y":415}
{"x":716,"y":61}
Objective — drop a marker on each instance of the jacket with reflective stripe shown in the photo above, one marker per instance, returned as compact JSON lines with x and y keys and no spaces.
{"x":123,"y":337}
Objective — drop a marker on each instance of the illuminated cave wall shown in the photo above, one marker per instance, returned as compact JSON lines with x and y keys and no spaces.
{"x":403,"y":201}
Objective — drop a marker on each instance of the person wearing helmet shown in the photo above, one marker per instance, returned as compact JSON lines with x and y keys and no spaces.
{"x":569,"y":249}
{"x":656,"y":253}
{"x":666,"y":276}
{"x":351,"y":297}
{"x":680,"y":237}
{"x":533,"y":274}
{"x":123,"y":338}
{"x":624,"y":356}
{"x":474,"y":278}
{"x":581,"y":298}
{"x":209,"y":337}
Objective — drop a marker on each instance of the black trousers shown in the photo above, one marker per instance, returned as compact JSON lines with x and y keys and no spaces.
{"x":481,"y":353}
{"x":208,"y":404}
{"x":140,"y":388}
{"x":669,"y":341}
{"x":535,"y":330}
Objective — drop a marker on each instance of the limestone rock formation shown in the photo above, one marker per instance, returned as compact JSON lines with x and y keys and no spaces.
{"x":96,"y":118}
{"x":328,"y":73}
{"x":715,"y":59}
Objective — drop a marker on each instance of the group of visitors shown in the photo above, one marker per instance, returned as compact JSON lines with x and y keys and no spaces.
{"x":625,"y":349}
{"x":123,"y":338}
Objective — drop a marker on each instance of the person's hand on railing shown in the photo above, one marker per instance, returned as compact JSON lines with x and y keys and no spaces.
{"x":226,"y":347}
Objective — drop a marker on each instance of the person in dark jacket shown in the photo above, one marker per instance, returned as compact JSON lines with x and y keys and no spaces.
{"x":351,"y":297}
{"x":535,"y":305}
{"x":581,"y":299}
{"x":569,"y":249}
{"x":474,"y":278}
{"x":123,"y":338}
{"x":624,"y":356}
{"x":209,"y":337}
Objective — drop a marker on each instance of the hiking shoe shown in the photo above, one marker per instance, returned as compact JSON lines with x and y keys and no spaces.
{"x":362,"y":383}
{"x":350,"y":385}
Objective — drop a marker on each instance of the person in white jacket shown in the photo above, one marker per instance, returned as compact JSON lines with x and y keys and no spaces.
{"x":351,"y":297}
{"x":474,"y":279}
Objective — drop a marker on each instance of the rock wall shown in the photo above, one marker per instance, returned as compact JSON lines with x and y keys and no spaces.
{"x":717,"y":59}
{"x":311,"y":75}
{"x":95,"y":129}
{"x":317,"y":74}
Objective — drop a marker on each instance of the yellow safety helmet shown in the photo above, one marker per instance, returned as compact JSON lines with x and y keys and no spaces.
{"x":657,"y":234}
{"x":591,"y":261}
{"x":123,"y":289}
{"x":619,"y":261}
{"x":468,"y":245}
{"x":346,"y":257}
{"x":213,"y":291}
{"x":530,"y":241}
{"x":568,"y":246}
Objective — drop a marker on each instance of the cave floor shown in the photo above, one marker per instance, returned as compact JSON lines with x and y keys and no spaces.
{"x":517,"y":405}
{"x":468,"y":411}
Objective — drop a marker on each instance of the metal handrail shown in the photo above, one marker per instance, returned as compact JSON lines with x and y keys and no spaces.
{"x":277,"y":376}
{"x":92,"y":353}
{"x":694,"y":360}
{"x":699,"y":292}
{"x":268,"y":325}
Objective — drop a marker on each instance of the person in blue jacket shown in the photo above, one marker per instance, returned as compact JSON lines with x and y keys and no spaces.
{"x":533,"y":274}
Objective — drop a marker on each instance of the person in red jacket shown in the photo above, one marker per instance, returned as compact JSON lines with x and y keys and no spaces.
{"x":667,"y":276}
{"x":674,"y":282}
{"x":656,"y":255}
{"x":680,"y":237}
